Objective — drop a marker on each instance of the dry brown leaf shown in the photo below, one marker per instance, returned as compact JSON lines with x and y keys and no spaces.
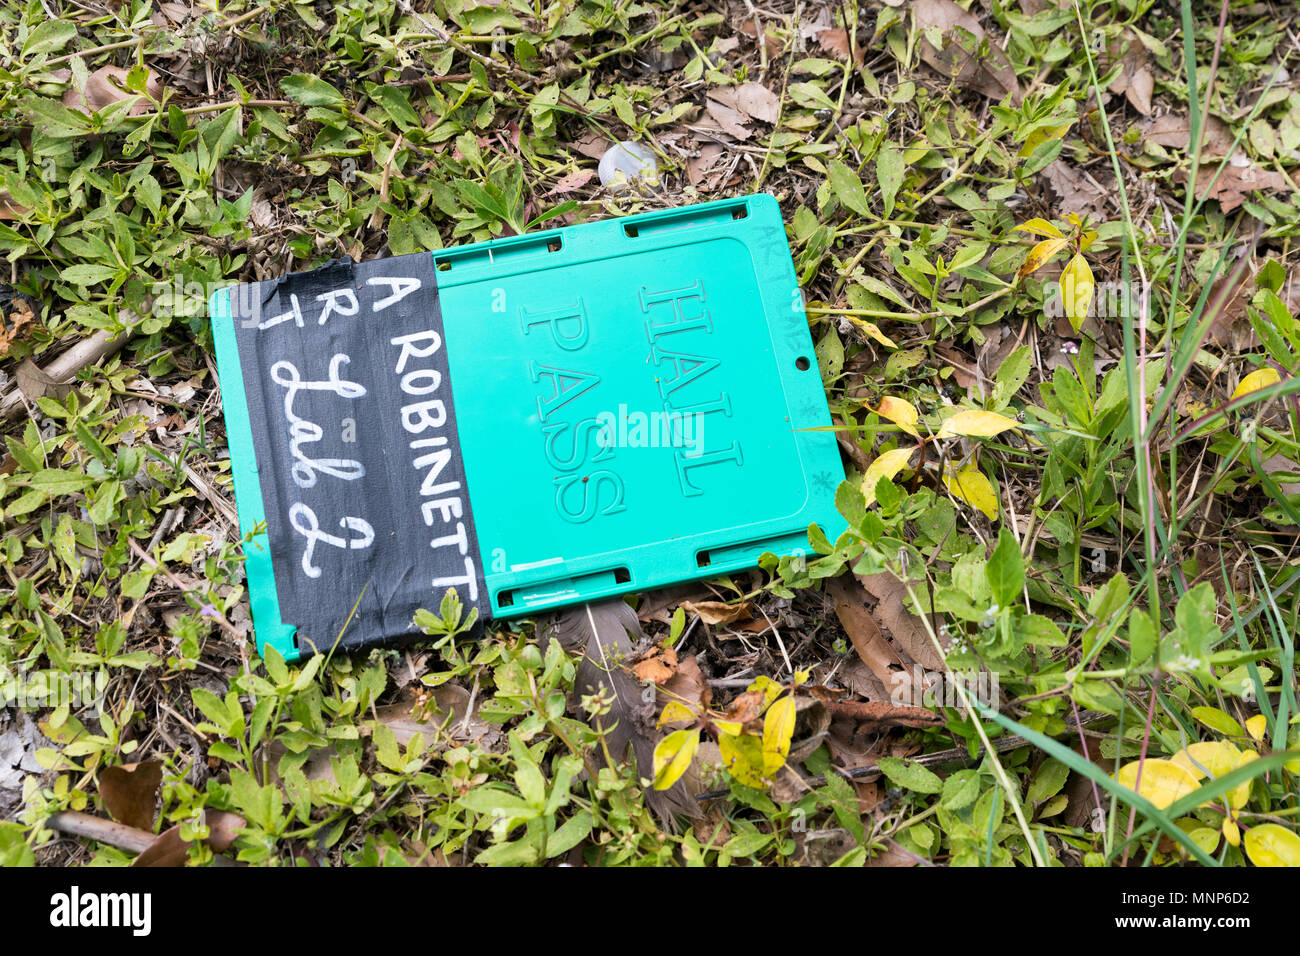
{"x":130,"y":792}
{"x":894,"y":855}
{"x":261,"y":213}
{"x":1079,"y":193}
{"x":812,"y":723}
{"x":171,"y":850}
{"x":758,"y":102}
{"x":1084,"y":797}
{"x":1236,"y":183}
{"x":745,"y":707}
{"x":956,"y":57}
{"x":773,"y":42}
{"x":851,"y":608}
{"x":908,"y":630}
{"x":1230,"y":327}
{"x":1134,"y":79}
{"x":574,"y":180}
{"x":449,"y":700}
{"x":852,"y":744}
{"x":885,"y":714}
{"x":177,"y":13}
{"x":659,"y":605}
{"x":964,"y":372}
{"x":820,"y":847}
{"x":17,"y":316}
{"x":720,"y":612}
{"x":1032,"y":8}
{"x":33,"y":383}
{"x":656,"y":666}
{"x":592,"y":145}
{"x":106,"y":86}
{"x":687,"y":686}
{"x":999,"y":342}
{"x":836,"y":40}
{"x":1284,"y":472}
{"x":10,"y":209}
{"x":697,"y":167}
{"x":722,"y":109}
{"x":1174,"y":130}
{"x":858,"y":678}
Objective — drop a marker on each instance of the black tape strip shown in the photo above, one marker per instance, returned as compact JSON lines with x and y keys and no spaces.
{"x":349,"y":396}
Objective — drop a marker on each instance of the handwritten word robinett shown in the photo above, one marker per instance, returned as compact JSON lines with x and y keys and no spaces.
{"x":442,"y":506}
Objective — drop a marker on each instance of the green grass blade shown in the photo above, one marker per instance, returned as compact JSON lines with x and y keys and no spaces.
{"x":1090,"y":770}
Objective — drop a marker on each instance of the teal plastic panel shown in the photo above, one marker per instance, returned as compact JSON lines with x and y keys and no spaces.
{"x":634,"y":398}
{"x":634,"y":401}
{"x":270,"y":628}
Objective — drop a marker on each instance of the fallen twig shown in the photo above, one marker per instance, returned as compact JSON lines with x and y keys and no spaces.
{"x":76,"y":823}
{"x":131,"y":839}
{"x":89,"y":351}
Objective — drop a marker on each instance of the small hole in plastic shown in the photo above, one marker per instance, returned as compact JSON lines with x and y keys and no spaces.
{"x":553,"y":245}
{"x":702,"y":559}
{"x":630,"y":231}
{"x":740,"y":212}
{"x":622,"y":576}
{"x":506,"y":599}
{"x":443,"y":265}
{"x":802,"y":363}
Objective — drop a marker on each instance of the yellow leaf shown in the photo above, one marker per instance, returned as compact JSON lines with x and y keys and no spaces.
{"x":873,"y":331}
{"x":1163,"y":781}
{"x":1039,"y":255}
{"x":1260,"y":378}
{"x":1087,"y":239}
{"x":673,"y":755}
{"x":1040,"y":136}
{"x":1256,"y":726}
{"x":1076,"y":290}
{"x":729,"y":727}
{"x":886,"y":466}
{"x":1054,"y":806}
{"x":1237,"y":799}
{"x":901,"y":413}
{"x":675,"y":710}
{"x":1218,"y":721}
{"x":969,"y":485}
{"x":1207,"y":838}
{"x":770,"y":688}
{"x":1272,"y":845}
{"x":743,"y":758}
{"x":1231,"y":832}
{"x":1040,"y":227}
{"x":778,"y":728}
{"x":1217,"y":757}
{"x":974,"y":423}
